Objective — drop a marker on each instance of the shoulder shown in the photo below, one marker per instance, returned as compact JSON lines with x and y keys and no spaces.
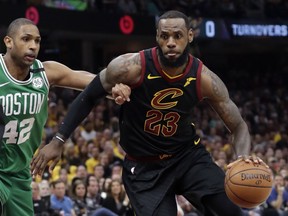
{"x":211,"y":84}
{"x":52,"y":66}
{"x":68,"y":199}
{"x":125,"y":68}
{"x":127,"y":59}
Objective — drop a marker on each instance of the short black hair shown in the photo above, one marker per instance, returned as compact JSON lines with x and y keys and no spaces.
{"x":58,"y":181}
{"x":174,"y":14}
{"x":16,"y":24}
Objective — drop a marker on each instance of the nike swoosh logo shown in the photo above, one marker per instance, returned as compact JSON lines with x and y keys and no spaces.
{"x":3,"y":84}
{"x":153,"y":77}
{"x":163,"y":156}
{"x":196,"y":141}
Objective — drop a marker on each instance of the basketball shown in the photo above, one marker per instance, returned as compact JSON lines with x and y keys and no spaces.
{"x":248,"y":184}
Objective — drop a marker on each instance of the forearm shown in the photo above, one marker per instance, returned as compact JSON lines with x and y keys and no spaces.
{"x":241,"y":139}
{"x":81,"y":107}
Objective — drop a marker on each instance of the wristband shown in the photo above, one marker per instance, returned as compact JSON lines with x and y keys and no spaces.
{"x":60,"y":137}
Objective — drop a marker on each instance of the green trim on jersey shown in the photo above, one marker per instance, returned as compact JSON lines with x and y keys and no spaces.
{"x":25,"y":106}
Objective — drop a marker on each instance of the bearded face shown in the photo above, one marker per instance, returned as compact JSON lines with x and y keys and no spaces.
{"x":174,"y":63}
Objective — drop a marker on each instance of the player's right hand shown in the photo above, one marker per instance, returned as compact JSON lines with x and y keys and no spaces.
{"x":50,"y":152}
{"x":121,"y":93}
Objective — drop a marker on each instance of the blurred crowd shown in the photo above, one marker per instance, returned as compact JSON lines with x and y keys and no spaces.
{"x":193,"y":8}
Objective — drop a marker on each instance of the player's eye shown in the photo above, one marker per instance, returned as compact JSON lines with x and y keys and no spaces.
{"x":38,"y":41}
{"x":25,"y":39}
{"x":178,"y":36}
{"x":164,"y":36}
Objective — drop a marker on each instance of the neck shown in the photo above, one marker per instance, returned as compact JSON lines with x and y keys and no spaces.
{"x":173,"y":71}
{"x":16,"y":71}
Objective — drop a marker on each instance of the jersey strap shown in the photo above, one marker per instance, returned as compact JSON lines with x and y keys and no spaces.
{"x":36,"y":70}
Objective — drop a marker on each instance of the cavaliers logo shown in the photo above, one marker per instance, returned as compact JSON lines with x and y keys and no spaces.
{"x":37,"y":82}
{"x":170,"y":93}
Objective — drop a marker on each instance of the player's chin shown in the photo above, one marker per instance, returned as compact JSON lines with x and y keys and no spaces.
{"x":28,"y":62}
{"x":171,"y":59}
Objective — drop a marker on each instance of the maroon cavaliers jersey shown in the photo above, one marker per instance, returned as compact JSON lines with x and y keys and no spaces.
{"x":158,"y":121}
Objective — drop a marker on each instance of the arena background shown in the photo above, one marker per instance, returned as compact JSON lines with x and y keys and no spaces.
{"x":90,"y":39}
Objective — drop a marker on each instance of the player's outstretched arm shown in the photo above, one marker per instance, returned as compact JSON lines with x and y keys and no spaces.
{"x":82,"y":105}
{"x":116,"y":72}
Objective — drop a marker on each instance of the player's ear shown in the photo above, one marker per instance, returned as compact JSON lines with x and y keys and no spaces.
{"x":157,"y":35}
{"x":8,"y":42}
{"x":190,"y":35}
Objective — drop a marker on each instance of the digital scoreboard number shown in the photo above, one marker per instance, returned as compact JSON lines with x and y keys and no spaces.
{"x":228,"y":29}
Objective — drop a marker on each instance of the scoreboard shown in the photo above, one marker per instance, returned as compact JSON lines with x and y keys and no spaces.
{"x":242,"y":28}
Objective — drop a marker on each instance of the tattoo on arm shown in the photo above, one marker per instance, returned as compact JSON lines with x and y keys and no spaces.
{"x":122,"y":69}
{"x":220,"y":101}
{"x":219,"y":90}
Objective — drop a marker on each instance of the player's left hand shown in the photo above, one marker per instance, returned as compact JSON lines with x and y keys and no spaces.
{"x":120,"y":93}
{"x":50,"y":152}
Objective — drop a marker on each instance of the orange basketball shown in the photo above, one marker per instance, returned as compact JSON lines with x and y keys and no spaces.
{"x":247,"y":184}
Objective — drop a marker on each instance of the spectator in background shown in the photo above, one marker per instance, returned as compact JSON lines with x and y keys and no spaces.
{"x":90,"y":146}
{"x":88,"y":132}
{"x":109,"y":150}
{"x":45,"y":193}
{"x":283,"y":142}
{"x":99,"y":172}
{"x":275,"y":199}
{"x":63,"y":176}
{"x":70,"y":155}
{"x":105,"y":162}
{"x":94,"y":200}
{"x":79,"y":142}
{"x":93,"y":160}
{"x":45,"y":189}
{"x":285,"y":196}
{"x":59,"y":201}
{"x":78,"y":198}
{"x":117,"y":199}
{"x":81,"y":172}
{"x":38,"y":203}
{"x":116,"y":170}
